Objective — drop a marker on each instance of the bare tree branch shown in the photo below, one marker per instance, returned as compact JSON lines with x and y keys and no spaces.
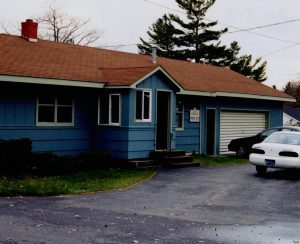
{"x":58,"y":26}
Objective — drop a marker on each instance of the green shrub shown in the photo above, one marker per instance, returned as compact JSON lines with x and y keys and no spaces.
{"x":14,"y":156}
{"x":46,"y":164}
{"x":49,"y":164}
{"x":94,"y":160}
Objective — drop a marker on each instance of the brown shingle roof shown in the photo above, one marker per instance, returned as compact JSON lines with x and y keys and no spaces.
{"x":47,"y":59}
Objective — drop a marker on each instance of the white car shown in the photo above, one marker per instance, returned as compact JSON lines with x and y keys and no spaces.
{"x":279,"y":150}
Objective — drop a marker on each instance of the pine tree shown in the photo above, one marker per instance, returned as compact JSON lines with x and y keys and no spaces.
{"x":198,"y":38}
{"x":164,"y":35}
{"x":252,"y":69}
{"x":195,"y":41}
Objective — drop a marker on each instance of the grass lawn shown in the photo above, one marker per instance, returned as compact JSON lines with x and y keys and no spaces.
{"x":220,"y":161}
{"x":84,"y":182}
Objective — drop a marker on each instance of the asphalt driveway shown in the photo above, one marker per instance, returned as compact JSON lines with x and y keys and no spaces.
{"x":192,"y":205}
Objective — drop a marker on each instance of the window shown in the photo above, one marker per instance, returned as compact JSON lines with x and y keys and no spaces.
{"x":179,"y":115}
{"x":55,"y":111}
{"x":268,"y":132}
{"x":109,"y":109}
{"x":143,"y":106}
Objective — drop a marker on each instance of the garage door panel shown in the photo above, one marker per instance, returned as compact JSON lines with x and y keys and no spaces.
{"x":237,"y":124}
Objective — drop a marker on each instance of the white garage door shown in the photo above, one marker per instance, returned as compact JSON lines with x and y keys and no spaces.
{"x":237,"y":124}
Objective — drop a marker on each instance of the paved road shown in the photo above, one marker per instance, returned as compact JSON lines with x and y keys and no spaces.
{"x":191,"y":205}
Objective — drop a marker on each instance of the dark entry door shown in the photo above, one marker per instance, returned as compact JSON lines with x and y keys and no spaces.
{"x":210,"y":131}
{"x":163,"y":121}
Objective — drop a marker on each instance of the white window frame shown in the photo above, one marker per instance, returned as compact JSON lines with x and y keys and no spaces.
{"x":110,"y":106}
{"x":109,"y":110}
{"x":150,"y":105}
{"x":56,"y":105}
{"x":182,"y":112}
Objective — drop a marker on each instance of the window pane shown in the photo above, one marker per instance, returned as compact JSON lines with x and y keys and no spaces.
{"x":64,"y":101}
{"x":179,"y":118}
{"x":64,"y":115}
{"x":269,"y":132}
{"x":46,"y":114}
{"x":146,"y":105}
{"x":179,"y":114}
{"x":115,"y":109}
{"x":104,"y":108}
{"x":138,"y":104}
{"x":46,"y":100}
{"x":179,"y":106}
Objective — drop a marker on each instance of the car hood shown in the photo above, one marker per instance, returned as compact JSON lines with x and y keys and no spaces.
{"x":276,"y":148}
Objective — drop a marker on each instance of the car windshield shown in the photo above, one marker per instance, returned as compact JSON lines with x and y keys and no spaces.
{"x":282,"y":138}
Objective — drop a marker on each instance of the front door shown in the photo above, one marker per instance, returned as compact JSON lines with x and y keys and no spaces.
{"x":163,"y":121}
{"x":210,"y":131}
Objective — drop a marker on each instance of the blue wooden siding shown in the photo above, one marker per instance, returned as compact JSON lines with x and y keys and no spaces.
{"x":142,"y":135}
{"x":193,"y":137}
{"x":134,"y":139}
{"x":18,"y":119}
{"x":129,"y":140}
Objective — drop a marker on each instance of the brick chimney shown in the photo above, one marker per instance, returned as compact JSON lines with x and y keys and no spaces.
{"x":29,"y":30}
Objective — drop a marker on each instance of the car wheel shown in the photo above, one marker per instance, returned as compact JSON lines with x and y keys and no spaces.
{"x":241,"y":152}
{"x":261,"y":170}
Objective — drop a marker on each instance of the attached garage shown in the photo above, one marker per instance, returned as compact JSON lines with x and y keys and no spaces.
{"x":237,"y":124}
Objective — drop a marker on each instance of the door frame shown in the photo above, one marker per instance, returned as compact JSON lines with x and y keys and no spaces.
{"x":169,"y":123}
{"x":215,"y":131}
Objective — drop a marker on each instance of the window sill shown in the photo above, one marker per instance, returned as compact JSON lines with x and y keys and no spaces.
{"x":143,"y":121}
{"x":111,"y":125}
{"x":55,"y":124}
{"x":179,"y":129}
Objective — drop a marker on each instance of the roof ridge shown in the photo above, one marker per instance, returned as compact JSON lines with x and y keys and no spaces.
{"x":132,"y":67}
{"x":76,"y":45}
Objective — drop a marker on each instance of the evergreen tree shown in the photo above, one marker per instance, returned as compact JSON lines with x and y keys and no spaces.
{"x":194,"y":40}
{"x":164,"y":35}
{"x":252,"y":69}
{"x":198,"y":39}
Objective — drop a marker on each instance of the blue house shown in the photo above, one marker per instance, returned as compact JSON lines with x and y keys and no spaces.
{"x":70,"y":99}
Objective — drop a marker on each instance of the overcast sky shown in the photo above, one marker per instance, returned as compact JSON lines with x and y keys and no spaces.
{"x":124,"y":21}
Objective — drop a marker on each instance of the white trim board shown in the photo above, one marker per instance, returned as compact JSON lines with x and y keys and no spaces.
{"x":47,"y":81}
{"x":153,"y":72}
{"x":60,"y":82}
{"x":236,"y":95}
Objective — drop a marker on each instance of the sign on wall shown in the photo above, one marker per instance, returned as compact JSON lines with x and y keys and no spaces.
{"x":194,"y":115}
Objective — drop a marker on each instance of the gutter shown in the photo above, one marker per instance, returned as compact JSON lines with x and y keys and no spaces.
{"x":48,"y":81}
{"x":236,"y":95}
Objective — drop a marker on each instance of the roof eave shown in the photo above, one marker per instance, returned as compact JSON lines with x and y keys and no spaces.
{"x":237,"y":95}
{"x":48,"y":81}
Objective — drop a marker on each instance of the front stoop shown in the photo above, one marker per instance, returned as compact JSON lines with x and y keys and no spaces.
{"x":174,"y":159}
{"x":143,"y":163}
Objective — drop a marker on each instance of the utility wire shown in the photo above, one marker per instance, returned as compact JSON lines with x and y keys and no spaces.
{"x":264,"y":26}
{"x":279,"y":50}
{"x":248,"y":30}
{"x":230,"y":26}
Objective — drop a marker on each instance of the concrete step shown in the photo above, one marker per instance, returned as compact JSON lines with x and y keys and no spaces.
{"x":182,"y":165}
{"x":163,"y":154}
{"x":178,"y":159}
{"x":143,"y":163}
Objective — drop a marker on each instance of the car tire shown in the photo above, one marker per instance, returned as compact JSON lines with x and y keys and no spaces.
{"x":261,"y":170}
{"x":241,"y":152}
